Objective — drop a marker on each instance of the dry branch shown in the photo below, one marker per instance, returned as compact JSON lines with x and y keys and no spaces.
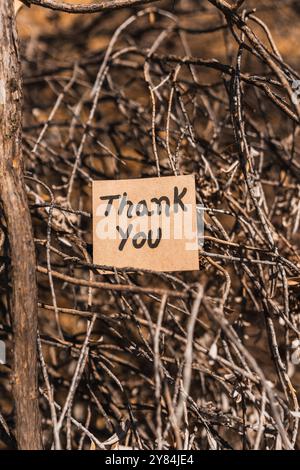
{"x":23,"y":295}
{"x":89,"y":8}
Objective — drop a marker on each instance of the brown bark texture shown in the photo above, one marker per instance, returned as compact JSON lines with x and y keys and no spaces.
{"x":23,"y":295}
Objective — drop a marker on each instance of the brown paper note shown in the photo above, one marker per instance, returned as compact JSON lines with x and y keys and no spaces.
{"x":146,"y":223}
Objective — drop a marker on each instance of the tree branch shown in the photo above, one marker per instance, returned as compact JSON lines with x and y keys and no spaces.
{"x":23,"y":298}
{"x":91,"y":8}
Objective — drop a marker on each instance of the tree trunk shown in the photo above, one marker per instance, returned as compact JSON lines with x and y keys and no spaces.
{"x":23,"y":297}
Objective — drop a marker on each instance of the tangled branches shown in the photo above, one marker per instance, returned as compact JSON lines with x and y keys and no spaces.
{"x":144,"y":360}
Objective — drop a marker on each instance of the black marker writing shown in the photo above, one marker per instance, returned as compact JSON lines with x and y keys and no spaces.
{"x":162,"y":204}
{"x":178,"y":199}
{"x":110,"y":200}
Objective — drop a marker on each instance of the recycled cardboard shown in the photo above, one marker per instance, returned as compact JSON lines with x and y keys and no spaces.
{"x":146,"y":223}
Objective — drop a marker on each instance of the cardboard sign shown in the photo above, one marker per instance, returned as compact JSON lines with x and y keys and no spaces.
{"x":147,"y":223}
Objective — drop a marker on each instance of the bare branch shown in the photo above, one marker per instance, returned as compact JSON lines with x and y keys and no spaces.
{"x":90,"y":8}
{"x":13,"y":198}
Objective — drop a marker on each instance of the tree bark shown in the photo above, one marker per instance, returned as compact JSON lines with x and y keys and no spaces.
{"x":23,"y":297}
